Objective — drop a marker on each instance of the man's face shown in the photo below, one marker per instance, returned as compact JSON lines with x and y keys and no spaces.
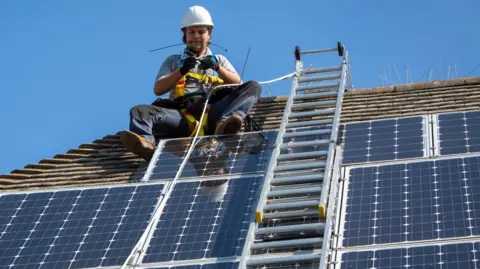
{"x":197,"y":37}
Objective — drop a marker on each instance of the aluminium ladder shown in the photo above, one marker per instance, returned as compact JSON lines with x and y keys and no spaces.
{"x":291,"y":215}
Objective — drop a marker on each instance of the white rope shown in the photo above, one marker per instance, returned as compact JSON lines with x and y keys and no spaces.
{"x":192,"y":146}
{"x":261,"y":82}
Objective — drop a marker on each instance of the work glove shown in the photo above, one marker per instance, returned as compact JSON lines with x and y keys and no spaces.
{"x":208,"y":63}
{"x":188,"y":64}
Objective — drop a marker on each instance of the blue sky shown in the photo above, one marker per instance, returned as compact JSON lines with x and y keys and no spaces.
{"x":71,"y":70}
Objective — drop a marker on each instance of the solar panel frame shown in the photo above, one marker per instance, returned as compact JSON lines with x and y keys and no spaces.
{"x":465,"y":128}
{"x":433,"y":255}
{"x":340,"y":212}
{"x":257,"y":178}
{"x":132,"y":191}
{"x":426,"y":140}
{"x":171,"y":159}
{"x":204,"y":265}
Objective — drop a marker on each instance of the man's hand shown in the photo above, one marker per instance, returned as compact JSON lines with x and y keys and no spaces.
{"x":208,"y":63}
{"x":188,"y":64}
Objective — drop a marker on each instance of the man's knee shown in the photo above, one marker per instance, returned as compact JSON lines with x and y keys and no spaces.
{"x":253,"y":87}
{"x":139,"y":110}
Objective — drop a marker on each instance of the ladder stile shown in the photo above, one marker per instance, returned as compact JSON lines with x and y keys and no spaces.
{"x":333,"y":138}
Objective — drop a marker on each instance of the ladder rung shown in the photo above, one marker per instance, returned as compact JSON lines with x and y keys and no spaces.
{"x":297,"y":124}
{"x":294,"y":191}
{"x":297,"y":186}
{"x":297,"y":179}
{"x":314,"y":104}
{"x":283,"y":259}
{"x":287,"y":243}
{"x":290,"y":214}
{"x":289,"y":167}
{"x":318,"y":87}
{"x":323,"y":70}
{"x":306,"y":133}
{"x":291,"y":228}
{"x":318,"y":51}
{"x":293,"y":199}
{"x":301,"y":155}
{"x":291,"y":205}
{"x":315,"y":95}
{"x":318,"y":78}
{"x":313,"y":143}
{"x":311,"y":113}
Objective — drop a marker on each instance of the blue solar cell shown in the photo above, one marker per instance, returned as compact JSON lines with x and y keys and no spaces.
{"x":204,"y":220}
{"x":74,"y":229}
{"x":383,"y":140}
{"x":459,"y":132}
{"x":239,"y":154}
{"x":414,"y":201}
{"x":452,"y":256}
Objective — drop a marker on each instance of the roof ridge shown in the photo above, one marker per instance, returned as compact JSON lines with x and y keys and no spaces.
{"x":420,"y":85}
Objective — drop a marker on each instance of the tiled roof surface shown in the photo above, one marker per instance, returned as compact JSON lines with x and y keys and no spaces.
{"x":105,"y":161}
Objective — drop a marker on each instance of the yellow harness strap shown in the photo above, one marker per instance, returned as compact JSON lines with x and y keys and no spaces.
{"x":192,"y":123}
{"x":204,"y":78}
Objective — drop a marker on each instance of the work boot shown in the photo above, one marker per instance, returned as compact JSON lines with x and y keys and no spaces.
{"x":137,"y":145}
{"x":230,"y":126}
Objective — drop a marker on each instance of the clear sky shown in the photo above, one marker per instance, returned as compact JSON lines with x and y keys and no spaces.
{"x":71,"y":70}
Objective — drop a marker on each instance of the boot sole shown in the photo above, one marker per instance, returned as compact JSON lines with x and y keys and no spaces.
{"x":232,"y":125}
{"x":133,"y":144}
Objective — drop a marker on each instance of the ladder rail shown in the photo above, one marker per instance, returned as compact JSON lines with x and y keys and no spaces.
{"x":333,"y":138}
{"x":330,"y":211}
{"x":276,"y":151}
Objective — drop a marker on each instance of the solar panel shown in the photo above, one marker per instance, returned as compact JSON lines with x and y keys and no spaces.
{"x":239,"y":154}
{"x":413,"y":201}
{"x":383,"y":140}
{"x":459,"y":132}
{"x":204,"y":220}
{"x":225,"y":265}
{"x":451,"y":256}
{"x":74,"y":229}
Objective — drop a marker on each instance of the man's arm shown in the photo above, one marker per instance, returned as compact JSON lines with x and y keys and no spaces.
{"x":168,"y":78}
{"x":228,"y":76}
{"x":166,"y":83}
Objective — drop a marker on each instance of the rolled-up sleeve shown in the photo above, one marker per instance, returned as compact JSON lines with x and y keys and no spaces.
{"x":167,"y":67}
{"x":226,"y":63}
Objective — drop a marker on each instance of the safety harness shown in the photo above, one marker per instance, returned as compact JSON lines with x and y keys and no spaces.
{"x":189,"y":102}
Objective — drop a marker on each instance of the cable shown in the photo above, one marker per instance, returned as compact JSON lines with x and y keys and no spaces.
{"x":245,"y":64}
{"x":166,"y":47}
{"x":478,"y":65}
{"x":260,"y":82}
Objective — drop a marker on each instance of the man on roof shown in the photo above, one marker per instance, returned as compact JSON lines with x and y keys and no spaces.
{"x":184,"y":76}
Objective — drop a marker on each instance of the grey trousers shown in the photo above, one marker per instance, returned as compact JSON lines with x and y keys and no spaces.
{"x":152,"y":122}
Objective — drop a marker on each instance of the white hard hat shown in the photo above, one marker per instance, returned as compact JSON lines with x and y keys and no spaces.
{"x":196,"y":15}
